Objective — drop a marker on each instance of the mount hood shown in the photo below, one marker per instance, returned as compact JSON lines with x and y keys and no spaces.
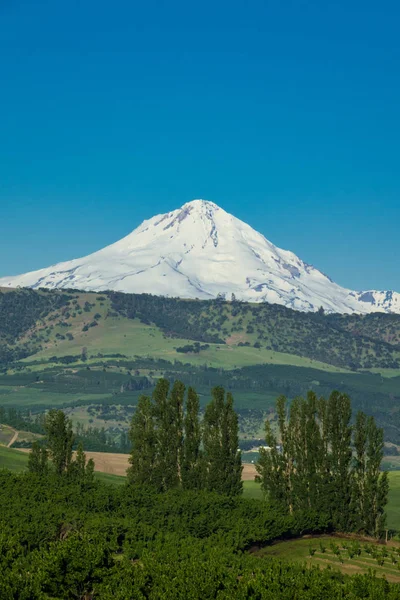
{"x":201,"y":251}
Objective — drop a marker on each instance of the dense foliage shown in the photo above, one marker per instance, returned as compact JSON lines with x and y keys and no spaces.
{"x":69,"y":540}
{"x":310,"y":465}
{"x":65,"y":536}
{"x":171,"y":449}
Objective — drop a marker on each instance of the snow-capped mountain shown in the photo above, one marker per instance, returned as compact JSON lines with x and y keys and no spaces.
{"x":201,"y":251}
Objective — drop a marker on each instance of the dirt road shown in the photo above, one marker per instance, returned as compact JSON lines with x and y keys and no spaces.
{"x":13,"y":439}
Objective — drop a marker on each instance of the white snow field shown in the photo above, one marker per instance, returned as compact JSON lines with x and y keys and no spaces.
{"x":201,"y":251}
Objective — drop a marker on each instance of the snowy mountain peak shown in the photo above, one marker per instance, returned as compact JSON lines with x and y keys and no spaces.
{"x":201,"y":251}
{"x":200,"y":205}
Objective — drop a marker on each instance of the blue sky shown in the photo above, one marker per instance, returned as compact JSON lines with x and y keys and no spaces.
{"x":284,"y":113}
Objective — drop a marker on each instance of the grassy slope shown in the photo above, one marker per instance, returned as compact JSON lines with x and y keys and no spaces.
{"x":20,"y":396}
{"x":285,"y":336}
{"x":299,"y":550}
{"x":133,"y":338}
{"x":12,"y":459}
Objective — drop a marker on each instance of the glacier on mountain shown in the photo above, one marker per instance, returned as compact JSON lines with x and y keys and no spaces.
{"x":201,"y":251}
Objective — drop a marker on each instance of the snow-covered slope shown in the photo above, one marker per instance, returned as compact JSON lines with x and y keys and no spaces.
{"x":201,"y":251}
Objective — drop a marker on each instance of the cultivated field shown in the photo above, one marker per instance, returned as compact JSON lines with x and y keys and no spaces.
{"x":344,"y":553}
{"x":117,"y":464}
{"x":6,"y":434}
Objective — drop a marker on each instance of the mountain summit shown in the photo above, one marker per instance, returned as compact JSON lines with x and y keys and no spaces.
{"x":201,"y":251}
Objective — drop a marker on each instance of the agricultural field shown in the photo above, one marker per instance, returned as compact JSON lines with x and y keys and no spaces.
{"x":13,"y":459}
{"x":17,"y":460}
{"x":344,"y":553}
{"x":6,"y":434}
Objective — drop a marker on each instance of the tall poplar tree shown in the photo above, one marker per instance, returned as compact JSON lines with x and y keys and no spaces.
{"x":144,"y":450}
{"x":275,"y":464}
{"x":222,"y":459}
{"x":60,"y":439}
{"x":192,"y":465}
{"x":359,"y":499}
{"x":172,"y":449}
{"x":232,"y":456}
{"x":376,"y":483}
{"x":161,"y":430}
{"x":38,"y":459}
{"x":310,"y":465}
{"x":339,"y":440}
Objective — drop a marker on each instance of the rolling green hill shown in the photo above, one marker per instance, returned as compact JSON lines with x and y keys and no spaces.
{"x":228,"y":334}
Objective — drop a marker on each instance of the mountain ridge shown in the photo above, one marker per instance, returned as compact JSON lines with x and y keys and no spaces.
{"x":201,"y":251}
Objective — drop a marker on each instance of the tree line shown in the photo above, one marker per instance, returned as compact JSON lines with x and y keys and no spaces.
{"x":179,"y":527}
{"x":171,"y":448}
{"x":314,"y":461}
{"x":318,"y":461}
{"x":57,"y":447}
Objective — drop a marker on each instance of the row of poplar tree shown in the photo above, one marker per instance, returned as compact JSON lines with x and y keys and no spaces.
{"x":57,"y":449}
{"x":172,"y":448}
{"x":316,"y":460}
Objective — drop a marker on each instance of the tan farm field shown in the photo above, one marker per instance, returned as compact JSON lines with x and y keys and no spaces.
{"x":117,"y":464}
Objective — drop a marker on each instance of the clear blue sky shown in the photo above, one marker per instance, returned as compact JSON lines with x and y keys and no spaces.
{"x":284,"y":113}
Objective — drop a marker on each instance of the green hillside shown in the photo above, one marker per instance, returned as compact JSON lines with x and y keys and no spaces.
{"x":54,"y":323}
{"x":95,"y":353}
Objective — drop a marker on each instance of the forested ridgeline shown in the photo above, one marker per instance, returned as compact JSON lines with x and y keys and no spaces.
{"x":63,"y":535}
{"x":313,"y":335}
{"x":31,"y":318}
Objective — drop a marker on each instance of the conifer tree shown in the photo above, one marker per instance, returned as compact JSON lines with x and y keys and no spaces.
{"x":80,"y":470}
{"x":191,"y":471}
{"x":143,"y":437}
{"x":80,"y":463}
{"x":89,"y":471}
